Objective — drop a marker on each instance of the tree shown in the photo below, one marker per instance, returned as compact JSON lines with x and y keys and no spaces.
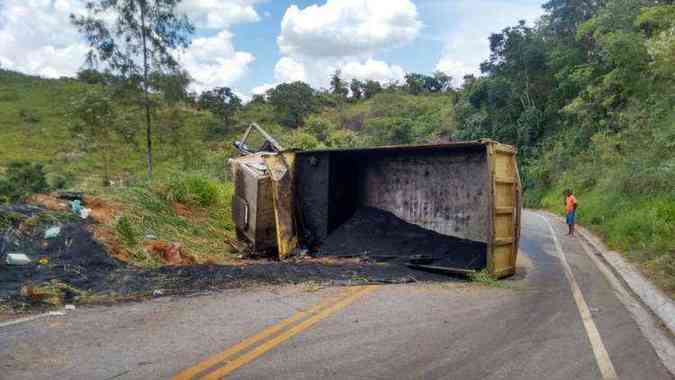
{"x":222,"y":102}
{"x":173,"y":86}
{"x":338,"y":86}
{"x":371,"y":89}
{"x":414,"y":83}
{"x":357,"y":88}
{"x":93,"y":118}
{"x":135,"y":38}
{"x":292,"y":103}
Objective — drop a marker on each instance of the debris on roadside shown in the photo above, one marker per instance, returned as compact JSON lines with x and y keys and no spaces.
{"x":77,"y":207}
{"x":52,"y":232}
{"x":170,"y":253}
{"x":17,"y":259}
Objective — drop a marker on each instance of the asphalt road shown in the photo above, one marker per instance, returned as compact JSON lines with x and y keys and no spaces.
{"x":530,"y":329}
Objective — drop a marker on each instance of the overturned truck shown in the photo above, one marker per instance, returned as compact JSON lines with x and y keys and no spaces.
{"x":451,"y":207}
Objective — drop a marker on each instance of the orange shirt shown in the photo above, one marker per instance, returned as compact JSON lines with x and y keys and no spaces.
{"x":571,"y":201}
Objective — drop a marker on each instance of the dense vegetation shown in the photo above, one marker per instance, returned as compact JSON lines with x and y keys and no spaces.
{"x":587,"y":95}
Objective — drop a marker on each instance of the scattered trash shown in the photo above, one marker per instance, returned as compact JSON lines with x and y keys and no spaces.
{"x":52,"y":232}
{"x":17,"y":259}
{"x":150,"y":237}
{"x":157,"y":293}
{"x":84,"y":212}
{"x":76,"y":207}
{"x":44,"y":260}
{"x":70,"y":307}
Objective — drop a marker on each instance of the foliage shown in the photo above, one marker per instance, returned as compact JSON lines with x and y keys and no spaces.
{"x":194,"y":190}
{"x":22,"y":179}
{"x":292,"y":102}
{"x":223,"y":103}
{"x":126,"y":231}
{"x":93,"y":118}
{"x":338,"y":86}
{"x":137,"y":43}
{"x":587,"y":96}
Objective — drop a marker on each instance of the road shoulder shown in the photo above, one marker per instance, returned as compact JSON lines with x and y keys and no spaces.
{"x":651,"y":309}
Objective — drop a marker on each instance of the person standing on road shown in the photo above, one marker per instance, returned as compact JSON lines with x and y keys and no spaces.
{"x":570,"y":210}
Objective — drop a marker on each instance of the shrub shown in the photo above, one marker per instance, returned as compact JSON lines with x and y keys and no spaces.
{"x":302,"y":140}
{"x":126,"y":231}
{"x":194,"y":189}
{"x":22,"y":179}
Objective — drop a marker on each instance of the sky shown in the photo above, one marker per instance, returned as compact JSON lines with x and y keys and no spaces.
{"x":252,"y":45}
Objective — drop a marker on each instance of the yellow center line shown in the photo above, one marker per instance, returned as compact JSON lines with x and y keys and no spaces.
{"x":277,"y":340}
{"x":213,"y":360}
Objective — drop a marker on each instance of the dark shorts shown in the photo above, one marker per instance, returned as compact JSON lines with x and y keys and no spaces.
{"x":570,"y":217}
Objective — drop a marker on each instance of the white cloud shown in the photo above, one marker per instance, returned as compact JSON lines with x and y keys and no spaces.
{"x":344,"y":35}
{"x":290,"y":70}
{"x":262,"y":89}
{"x":348,"y":27}
{"x":36,"y":37}
{"x":456,"y":69}
{"x":374,"y":70}
{"x":218,"y":14}
{"x":467,"y":43}
{"x":213,"y":61}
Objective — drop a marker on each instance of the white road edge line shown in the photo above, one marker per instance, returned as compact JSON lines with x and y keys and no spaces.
{"x":32,"y":318}
{"x":599,"y":350}
{"x":664,"y":348}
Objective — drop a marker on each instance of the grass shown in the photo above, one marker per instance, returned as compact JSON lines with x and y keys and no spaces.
{"x":188,"y":199}
{"x":483,"y":278}
{"x":200,"y":224}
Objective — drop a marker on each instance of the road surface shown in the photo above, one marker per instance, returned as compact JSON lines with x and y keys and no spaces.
{"x":559,"y":318}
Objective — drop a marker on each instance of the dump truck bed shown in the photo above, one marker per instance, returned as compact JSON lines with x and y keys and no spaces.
{"x":464,"y":198}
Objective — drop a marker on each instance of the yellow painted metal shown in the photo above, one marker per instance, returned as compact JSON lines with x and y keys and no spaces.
{"x":281,"y":167}
{"x":505,"y":210}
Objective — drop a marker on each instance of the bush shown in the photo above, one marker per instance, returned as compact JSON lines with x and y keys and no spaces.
{"x":22,"y":179}
{"x":301,"y":140}
{"x":195,"y":190}
{"x":126,"y":231}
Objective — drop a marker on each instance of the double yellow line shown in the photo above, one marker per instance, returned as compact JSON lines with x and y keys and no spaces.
{"x":222,"y":364}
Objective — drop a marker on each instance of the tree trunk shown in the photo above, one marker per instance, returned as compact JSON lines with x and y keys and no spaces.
{"x":148,"y":125}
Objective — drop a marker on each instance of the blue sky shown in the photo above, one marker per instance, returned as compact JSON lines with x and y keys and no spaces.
{"x":250,"y":45}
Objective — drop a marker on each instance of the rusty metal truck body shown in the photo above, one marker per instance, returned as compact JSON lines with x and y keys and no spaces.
{"x":468,"y":190}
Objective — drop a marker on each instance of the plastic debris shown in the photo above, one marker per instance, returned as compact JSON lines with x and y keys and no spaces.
{"x":70,"y":307}
{"x":76,"y":206}
{"x":157,"y":293}
{"x":84,"y":212}
{"x":52,"y":232}
{"x":17,"y":259}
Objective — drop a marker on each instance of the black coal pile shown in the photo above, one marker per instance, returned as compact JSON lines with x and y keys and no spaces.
{"x":72,"y":256}
{"x":381,"y":235}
